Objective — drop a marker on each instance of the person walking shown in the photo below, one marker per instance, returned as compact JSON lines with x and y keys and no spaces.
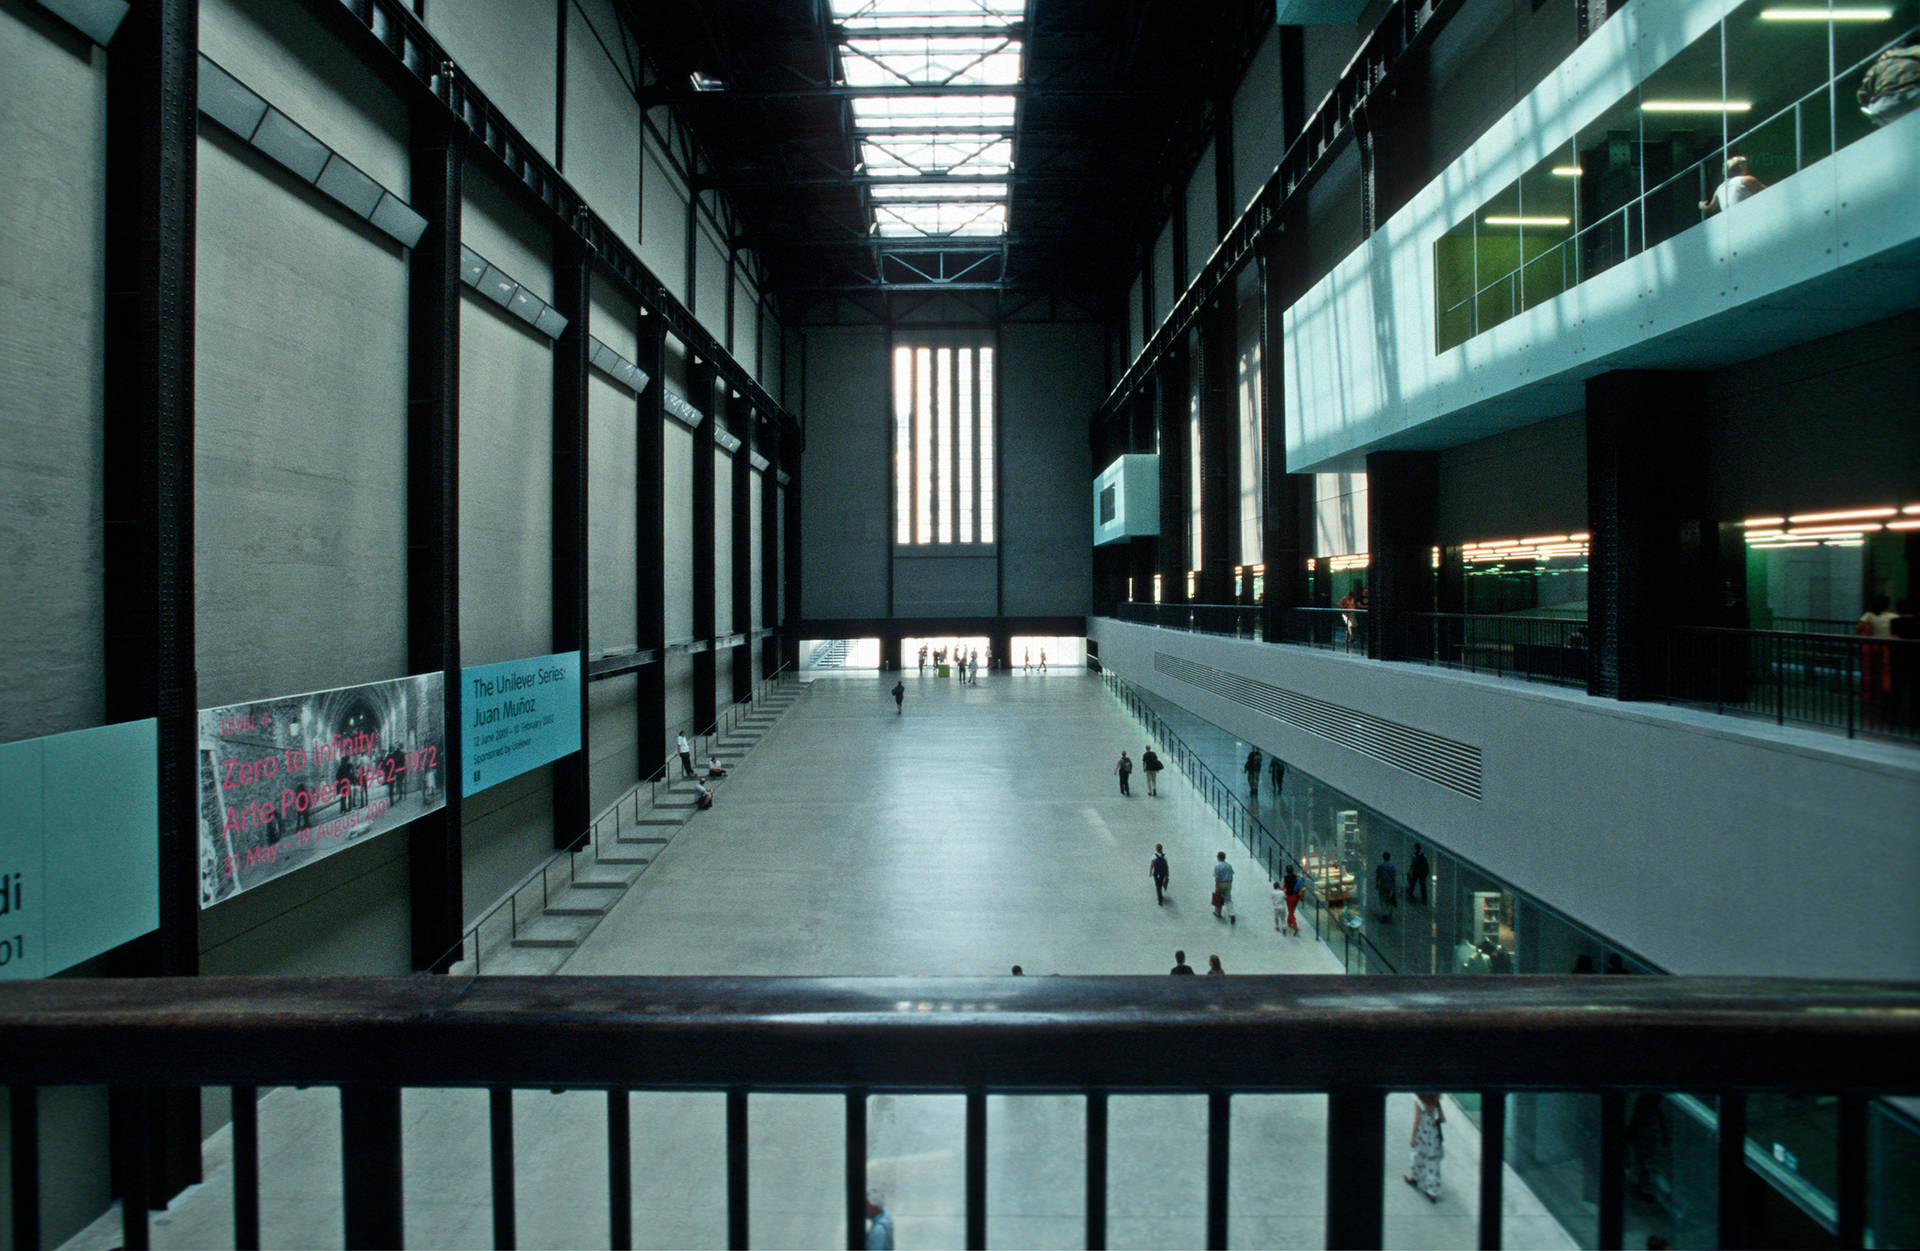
{"x":1293,"y":884}
{"x":1223,"y":888}
{"x":1213,"y":967}
{"x":879,"y":1222}
{"x":1151,"y":765}
{"x":1417,"y":873}
{"x":1043,"y":660}
{"x":1385,"y":885}
{"x":899,"y":698}
{"x":1278,"y":768}
{"x":1180,"y":966}
{"x":1279,"y":907}
{"x":1428,"y":1146}
{"x":1125,"y":769}
{"x":685,"y":749}
{"x":923,"y":660}
{"x":1253,"y":773}
{"x":1157,"y":870}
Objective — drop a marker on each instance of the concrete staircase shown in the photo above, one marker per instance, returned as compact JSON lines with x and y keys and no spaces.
{"x":540,"y":924}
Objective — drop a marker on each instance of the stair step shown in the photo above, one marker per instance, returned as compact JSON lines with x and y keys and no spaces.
{"x":546,"y":942}
{"x":574,"y":910}
{"x":639,"y":861}
{"x":588,"y":883}
{"x":658,"y":842}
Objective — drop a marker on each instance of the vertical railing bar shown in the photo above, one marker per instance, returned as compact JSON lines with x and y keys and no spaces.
{"x":246,"y":1168}
{"x":1219,"y":1143}
{"x":370,"y":1166}
{"x":1356,"y":1150}
{"x":620,"y":1168}
{"x":23,"y":1135}
{"x":1493,"y":1155}
{"x":500,"y":1139}
{"x":976,"y":1169}
{"x":1850,"y":1174}
{"x":1733,"y":1171}
{"x":133,"y":1151}
{"x":1096,"y":1170}
{"x":737,"y":1168}
{"x":1613,"y":1170}
{"x":856,"y":1169}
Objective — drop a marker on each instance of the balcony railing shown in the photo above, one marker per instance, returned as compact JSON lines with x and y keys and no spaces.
{"x":1538,"y":649}
{"x":1233,"y":620}
{"x":1833,"y":682}
{"x":1354,"y":1040}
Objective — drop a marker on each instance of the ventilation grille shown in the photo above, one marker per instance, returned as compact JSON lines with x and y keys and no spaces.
{"x":1442,"y":761}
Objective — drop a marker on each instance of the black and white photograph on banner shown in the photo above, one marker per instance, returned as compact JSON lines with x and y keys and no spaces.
{"x":288,"y":781}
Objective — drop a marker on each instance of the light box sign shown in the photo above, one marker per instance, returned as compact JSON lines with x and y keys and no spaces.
{"x":79,"y":846}
{"x":285,"y":782}
{"x":516,"y":716}
{"x":1126,"y":499}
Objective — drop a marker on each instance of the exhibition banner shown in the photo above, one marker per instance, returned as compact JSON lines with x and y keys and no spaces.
{"x":516,"y":716}
{"x":79,"y":846}
{"x":285,"y":782}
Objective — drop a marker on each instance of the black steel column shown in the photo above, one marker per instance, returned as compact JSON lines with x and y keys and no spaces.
{"x":790,"y":572}
{"x":1356,"y":1146}
{"x":1613,"y":1171}
{"x":1651,"y":558}
{"x":740,"y":421}
{"x":1493,"y":1154}
{"x":1170,"y":406}
{"x":705,"y":397}
{"x":148,"y":449}
{"x":1219,"y":452}
{"x":650,"y":526}
{"x":572,"y":281}
{"x":1284,"y":541}
{"x":23,"y":1149}
{"x":435,"y":874}
{"x":1402,"y":529}
{"x":770,"y":549}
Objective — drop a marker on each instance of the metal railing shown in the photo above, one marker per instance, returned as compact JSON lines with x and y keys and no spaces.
{"x":1354,"y":1040}
{"x":1539,"y":649}
{"x":1651,"y":217}
{"x":1331,"y":629}
{"x":1233,"y":620}
{"x":473,"y":944}
{"x":1834,"y":682}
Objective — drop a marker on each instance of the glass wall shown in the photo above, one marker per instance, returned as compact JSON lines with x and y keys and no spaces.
{"x":1768,"y":91}
{"x":1387,"y":900}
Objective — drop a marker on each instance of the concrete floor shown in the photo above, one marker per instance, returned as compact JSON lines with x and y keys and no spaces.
{"x":980,"y":829}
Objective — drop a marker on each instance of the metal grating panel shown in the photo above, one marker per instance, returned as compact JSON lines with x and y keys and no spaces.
{"x":1441,"y":761}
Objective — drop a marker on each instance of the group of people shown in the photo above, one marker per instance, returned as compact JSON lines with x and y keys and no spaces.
{"x":1386,"y":882}
{"x":966,"y":664}
{"x":702,"y":779}
{"x":1149,"y":764}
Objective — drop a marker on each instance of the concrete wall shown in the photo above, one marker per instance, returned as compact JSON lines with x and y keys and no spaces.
{"x":1681,"y":835}
{"x":1528,"y":482}
{"x":52,"y":322}
{"x":844,"y":504}
{"x":1050,"y":378}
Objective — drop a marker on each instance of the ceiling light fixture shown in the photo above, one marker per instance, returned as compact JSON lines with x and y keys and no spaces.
{"x":1801,"y":13}
{"x":1696,"y":106}
{"x":1566,"y":171}
{"x":1848,"y":515}
{"x":1528,"y":221}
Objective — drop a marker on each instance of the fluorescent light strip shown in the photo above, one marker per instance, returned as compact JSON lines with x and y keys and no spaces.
{"x":1903,"y":525}
{"x":1775,"y":547}
{"x":1848,"y":515}
{"x":1566,"y":171}
{"x":1763,"y":521}
{"x":1696,"y":106}
{"x":1855,"y":530}
{"x":1825,"y":15}
{"x":1528,"y":221}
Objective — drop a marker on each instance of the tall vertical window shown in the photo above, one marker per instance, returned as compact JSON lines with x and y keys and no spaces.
{"x":943,"y":443}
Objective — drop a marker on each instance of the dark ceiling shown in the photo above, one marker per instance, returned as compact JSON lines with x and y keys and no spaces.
{"x":1115,"y":104}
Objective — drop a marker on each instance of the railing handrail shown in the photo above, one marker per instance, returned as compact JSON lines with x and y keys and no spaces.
{"x":1498,"y":616}
{"x":1845,"y":640}
{"x":1121,"y":1033}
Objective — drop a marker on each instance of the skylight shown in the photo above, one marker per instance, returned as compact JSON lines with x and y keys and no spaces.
{"x":916,"y":131}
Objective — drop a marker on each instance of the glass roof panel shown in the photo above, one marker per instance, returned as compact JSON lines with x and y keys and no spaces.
{"x":896,"y":221}
{"x":971,"y":60}
{"x":930,"y":112}
{"x":926,"y":189}
{"x":878,"y":15}
{"x":886,"y":154}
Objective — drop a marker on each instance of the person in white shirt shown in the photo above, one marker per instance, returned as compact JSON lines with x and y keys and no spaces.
{"x":1738,"y":186}
{"x":685,"y":749}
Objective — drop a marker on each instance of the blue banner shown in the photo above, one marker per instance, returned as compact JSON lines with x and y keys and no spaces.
{"x":79,"y":846}
{"x":516,"y":716}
